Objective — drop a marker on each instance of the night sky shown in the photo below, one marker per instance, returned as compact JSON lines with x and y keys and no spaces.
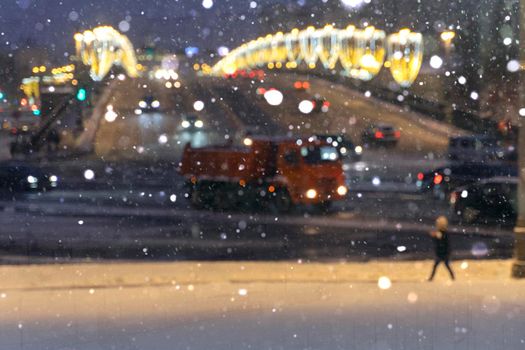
{"x":170,"y":24}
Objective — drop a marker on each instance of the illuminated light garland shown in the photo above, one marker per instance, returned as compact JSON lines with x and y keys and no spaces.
{"x":102,"y":48}
{"x":405,"y":55}
{"x":360,"y":52}
{"x":328,"y":46}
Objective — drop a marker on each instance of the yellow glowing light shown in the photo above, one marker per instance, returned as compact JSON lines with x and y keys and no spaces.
{"x":364,"y":53}
{"x":405,"y":54}
{"x":101,"y":48}
{"x":328,"y":46}
{"x":448,"y":35}
{"x":308,"y":41}
{"x":346,"y":47}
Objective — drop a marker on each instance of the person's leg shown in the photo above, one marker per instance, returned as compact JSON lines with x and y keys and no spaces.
{"x":436,"y":263}
{"x":447,"y":265}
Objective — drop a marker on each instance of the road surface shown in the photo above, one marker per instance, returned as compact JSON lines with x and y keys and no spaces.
{"x":137,"y":199}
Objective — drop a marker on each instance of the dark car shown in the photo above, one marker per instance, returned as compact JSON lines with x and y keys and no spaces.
{"x":149,"y":104}
{"x":191,"y":121}
{"x":18,"y":177}
{"x":384,"y":135}
{"x":320,"y":104}
{"x":344,"y":146}
{"x":443,"y":180}
{"x":489,"y":201}
{"x":479,"y":148}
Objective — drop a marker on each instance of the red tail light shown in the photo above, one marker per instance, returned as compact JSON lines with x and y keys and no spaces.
{"x":420,"y":176}
{"x":438,"y":178}
{"x":397,"y":134}
{"x":379,"y":135}
{"x":297,"y":85}
{"x":326,"y":103}
{"x":306,"y":85}
{"x":251,"y":75}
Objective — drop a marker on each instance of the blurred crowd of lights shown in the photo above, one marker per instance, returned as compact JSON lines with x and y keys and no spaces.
{"x":103,"y":47}
{"x":360,"y":52}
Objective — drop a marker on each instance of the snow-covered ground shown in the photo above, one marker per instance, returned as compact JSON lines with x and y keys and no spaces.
{"x":260,"y":306}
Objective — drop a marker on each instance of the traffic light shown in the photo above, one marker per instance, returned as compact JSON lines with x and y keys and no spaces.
{"x":81,"y":94}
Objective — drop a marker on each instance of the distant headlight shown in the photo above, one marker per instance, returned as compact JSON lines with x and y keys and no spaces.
{"x":311,"y":193}
{"x":358,"y":149}
{"x":343,"y":150}
{"x":199,"y":124}
{"x":185,"y":124}
{"x":464,"y":194}
{"x":155,"y":104}
{"x":31,"y":179}
{"x":53,"y":178}
{"x":342,"y":190}
{"x":143,"y":104}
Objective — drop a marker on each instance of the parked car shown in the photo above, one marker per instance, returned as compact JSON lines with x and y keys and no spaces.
{"x":479,"y":148}
{"x":384,"y":135}
{"x":191,"y":121}
{"x":18,"y":177}
{"x":489,"y":201}
{"x":345,"y":147}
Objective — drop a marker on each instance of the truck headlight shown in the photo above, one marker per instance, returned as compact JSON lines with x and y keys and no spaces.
{"x":342,"y":190}
{"x":311,"y":193}
{"x":199,"y":124}
{"x":53,"y":178}
{"x":185,"y":124}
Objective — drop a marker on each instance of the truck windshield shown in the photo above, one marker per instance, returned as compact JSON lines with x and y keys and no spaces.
{"x":319,"y":154}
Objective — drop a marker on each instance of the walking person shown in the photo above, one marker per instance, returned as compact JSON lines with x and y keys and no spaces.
{"x":441,"y":246}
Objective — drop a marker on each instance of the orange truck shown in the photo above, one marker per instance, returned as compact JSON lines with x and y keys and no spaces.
{"x":266,"y":171}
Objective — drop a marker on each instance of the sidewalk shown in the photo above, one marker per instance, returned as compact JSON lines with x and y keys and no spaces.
{"x":109,"y":275}
{"x":247,"y":305}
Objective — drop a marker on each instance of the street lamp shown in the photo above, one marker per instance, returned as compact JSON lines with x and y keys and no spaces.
{"x":446,"y":37}
{"x":518,"y":267}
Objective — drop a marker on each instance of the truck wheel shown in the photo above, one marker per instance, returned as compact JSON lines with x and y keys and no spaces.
{"x":223,"y":198}
{"x":196,"y":198}
{"x":323,"y":207}
{"x":282,"y":202}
